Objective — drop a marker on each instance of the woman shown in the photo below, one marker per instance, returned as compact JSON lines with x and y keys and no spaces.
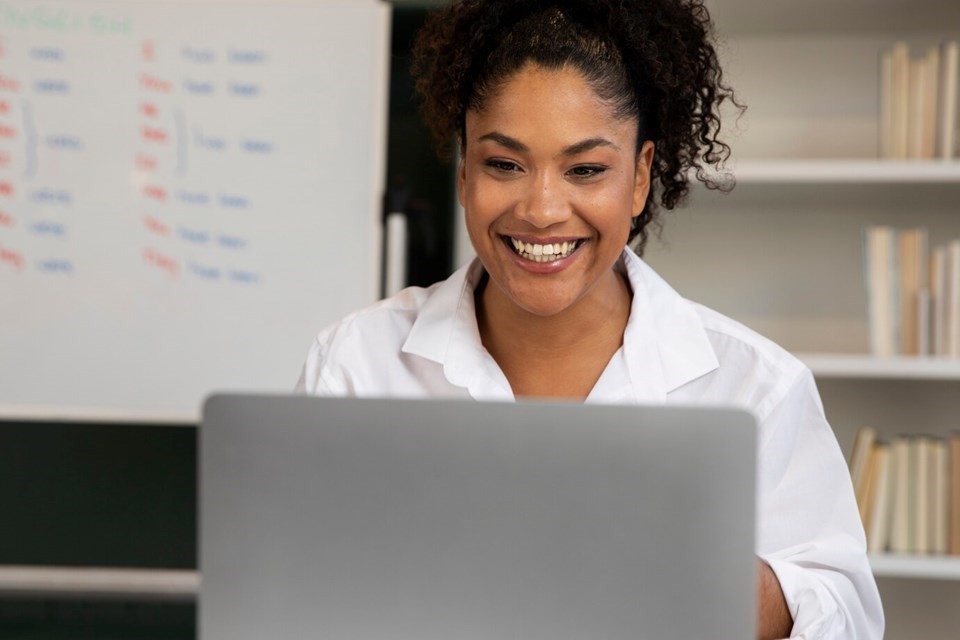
{"x":576,"y":121}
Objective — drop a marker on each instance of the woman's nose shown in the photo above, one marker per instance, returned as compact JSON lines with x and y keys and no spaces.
{"x":544,"y":203}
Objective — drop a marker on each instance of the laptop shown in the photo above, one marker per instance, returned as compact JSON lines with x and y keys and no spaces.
{"x":360,"y":519}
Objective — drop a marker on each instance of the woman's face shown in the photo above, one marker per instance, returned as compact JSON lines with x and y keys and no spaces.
{"x":550,"y":181}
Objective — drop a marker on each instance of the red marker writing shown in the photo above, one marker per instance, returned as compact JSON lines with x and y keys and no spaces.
{"x":7,"y":132}
{"x":4,"y":107}
{"x":156,"y":226}
{"x":8,"y":84}
{"x":145,"y":162}
{"x":153,"y":83}
{"x":11,"y":257}
{"x":155,"y":193}
{"x":161,"y":261}
{"x":153,"y":134}
{"x":6,"y":189}
{"x":6,"y":220}
{"x":150,"y":110}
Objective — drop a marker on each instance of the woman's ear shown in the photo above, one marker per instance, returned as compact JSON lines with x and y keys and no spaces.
{"x":641,"y":187}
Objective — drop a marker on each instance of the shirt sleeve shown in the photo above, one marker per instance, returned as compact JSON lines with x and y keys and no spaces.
{"x":315,"y":377}
{"x":809,"y":528}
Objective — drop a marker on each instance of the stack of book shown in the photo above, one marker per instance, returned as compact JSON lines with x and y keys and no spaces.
{"x":919,"y":103}
{"x":908,"y":492}
{"x":913,"y":294}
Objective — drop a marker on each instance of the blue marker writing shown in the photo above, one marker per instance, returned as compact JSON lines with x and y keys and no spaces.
{"x":245,"y":277}
{"x":51,"y":196}
{"x":192,"y":235}
{"x":64,"y":142}
{"x":244,"y":90}
{"x":202,"y":56}
{"x":50,"y":54}
{"x":51,"y":86}
{"x":207,"y":273}
{"x":234,"y":202}
{"x":256,"y":146}
{"x":198,"y":88}
{"x":48,"y":228}
{"x":231,"y":242}
{"x":239,"y":56}
{"x":56,"y":266}
{"x":193,"y":197}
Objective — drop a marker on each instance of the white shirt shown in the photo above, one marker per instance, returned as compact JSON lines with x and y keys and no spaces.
{"x":425,"y":343}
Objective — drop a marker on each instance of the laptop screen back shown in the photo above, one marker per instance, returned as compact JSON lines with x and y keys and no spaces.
{"x":428,"y":520}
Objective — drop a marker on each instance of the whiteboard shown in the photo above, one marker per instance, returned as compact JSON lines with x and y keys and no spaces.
{"x":188,"y":192}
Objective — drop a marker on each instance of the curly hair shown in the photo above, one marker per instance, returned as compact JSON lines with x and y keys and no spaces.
{"x":653,"y":60}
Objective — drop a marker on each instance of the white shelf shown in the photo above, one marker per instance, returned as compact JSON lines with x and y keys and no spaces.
{"x":166,"y":585}
{"x":139,"y":584}
{"x":922,"y":567}
{"x":840,"y":172}
{"x":30,"y":413}
{"x":865,"y":366}
{"x":829,"y":16}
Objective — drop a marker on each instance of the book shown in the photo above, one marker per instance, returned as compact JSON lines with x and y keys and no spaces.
{"x":924,"y":326}
{"x":878,"y":526}
{"x":912,"y":262}
{"x":883,"y":305}
{"x":900,"y":100}
{"x":916,"y":92}
{"x":867,"y":493}
{"x":930,"y":103}
{"x":885,"y":129}
{"x":939,"y":496}
{"x":938,"y":300}
{"x":900,"y":507}
{"x":947,"y":112}
{"x":919,"y":487}
{"x":955,"y":494}
{"x":860,"y":459}
{"x":952,"y":313}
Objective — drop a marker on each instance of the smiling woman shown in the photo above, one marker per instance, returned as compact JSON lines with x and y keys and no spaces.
{"x":578,"y":122}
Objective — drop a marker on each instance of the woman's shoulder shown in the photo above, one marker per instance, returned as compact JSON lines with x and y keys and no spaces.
{"x":365,"y":351}
{"x":384,"y":321}
{"x":365,"y":336}
{"x":733,"y":335}
{"x":755,"y":366}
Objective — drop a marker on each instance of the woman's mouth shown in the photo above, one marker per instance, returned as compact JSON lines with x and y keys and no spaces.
{"x":543,"y":252}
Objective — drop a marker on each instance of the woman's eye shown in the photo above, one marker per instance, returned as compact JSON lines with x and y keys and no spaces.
{"x":503,"y":165}
{"x":587,"y":171}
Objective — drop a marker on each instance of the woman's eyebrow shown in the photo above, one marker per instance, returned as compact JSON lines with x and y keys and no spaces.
{"x":588,"y":145}
{"x":575,"y":149}
{"x":506,"y":141}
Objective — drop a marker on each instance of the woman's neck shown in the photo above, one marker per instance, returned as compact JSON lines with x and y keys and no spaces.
{"x":561,"y":355}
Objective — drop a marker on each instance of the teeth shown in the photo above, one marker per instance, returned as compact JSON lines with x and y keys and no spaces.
{"x":543,"y":252}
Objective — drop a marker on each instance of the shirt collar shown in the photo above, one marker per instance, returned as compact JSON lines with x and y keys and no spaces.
{"x":664,"y":345}
{"x":446,"y":332}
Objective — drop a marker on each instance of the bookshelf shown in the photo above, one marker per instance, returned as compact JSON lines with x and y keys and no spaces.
{"x":845,"y":171}
{"x":100,"y":583}
{"x":782,"y":253}
{"x":859,"y":366}
{"x":906,"y":566}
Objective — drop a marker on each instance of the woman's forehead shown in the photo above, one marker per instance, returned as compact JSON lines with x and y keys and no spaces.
{"x":536,"y":101}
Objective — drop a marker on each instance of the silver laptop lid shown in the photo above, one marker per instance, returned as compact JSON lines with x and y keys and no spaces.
{"x":365,"y":519}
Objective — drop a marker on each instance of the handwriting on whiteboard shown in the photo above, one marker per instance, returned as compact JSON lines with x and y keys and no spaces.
{"x":187,"y":217}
